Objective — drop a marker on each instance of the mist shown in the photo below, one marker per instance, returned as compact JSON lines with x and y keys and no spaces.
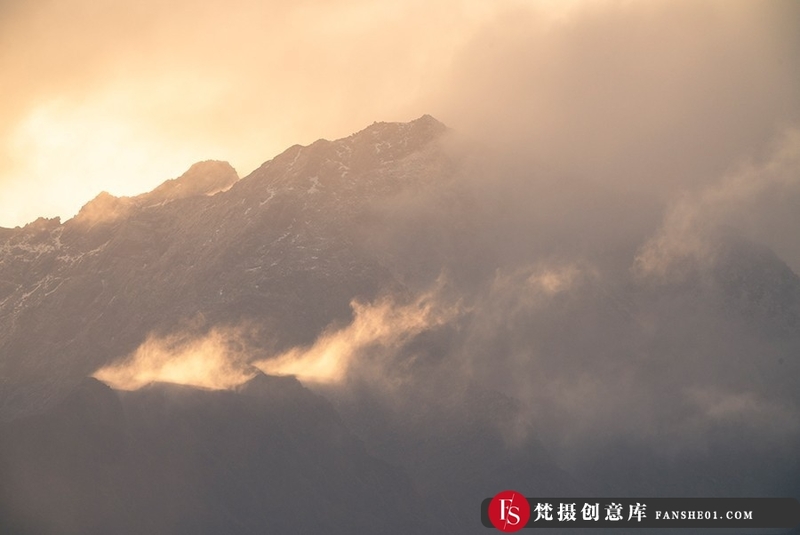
{"x":589,"y":282}
{"x":650,"y":98}
{"x":378,"y":330}
{"x":214,"y":360}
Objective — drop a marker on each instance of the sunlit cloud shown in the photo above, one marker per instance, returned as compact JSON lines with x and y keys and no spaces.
{"x":380,"y":327}
{"x":74,"y":153}
{"x":216,"y":360}
{"x":120,"y":97}
{"x":144,"y":90}
{"x":225,"y":357}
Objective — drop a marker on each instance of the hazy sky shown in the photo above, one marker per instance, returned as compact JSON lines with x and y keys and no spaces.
{"x":119,"y":96}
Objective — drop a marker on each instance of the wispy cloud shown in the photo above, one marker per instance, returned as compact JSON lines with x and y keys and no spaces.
{"x":215,"y":360}
{"x":686,"y":239}
{"x":378,"y":331}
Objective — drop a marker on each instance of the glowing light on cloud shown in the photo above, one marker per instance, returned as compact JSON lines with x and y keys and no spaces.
{"x":215,"y":361}
{"x":383,"y":325}
{"x":144,"y":87}
{"x":74,"y":152}
{"x":224,"y":358}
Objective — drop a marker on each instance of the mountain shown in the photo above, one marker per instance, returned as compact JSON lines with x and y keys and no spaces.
{"x":483,"y":326}
{"x":172,"y":459}
{"x":202,"y":179}
{"x":280,"y":246}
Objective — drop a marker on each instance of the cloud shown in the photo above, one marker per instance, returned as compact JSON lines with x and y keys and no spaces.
{"x":216,"y":360}
{"x":646,"y":96}
{"x":366,"y":346}
{"x":747,"y":199}
{"x":593,"y":362}
{"x":132,"y":94}
{"x":225,"y":357}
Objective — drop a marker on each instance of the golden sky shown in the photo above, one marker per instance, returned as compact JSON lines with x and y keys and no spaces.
{"x":120,"y":96}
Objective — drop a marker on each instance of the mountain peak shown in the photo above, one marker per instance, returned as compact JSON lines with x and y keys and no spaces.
{"x":351,"y":160}
{"x":263,"y":385}
{"x":430,"y":121}
{"x":203,"y":178}
{"x":420,"y":130}
{"x":104,"y":207}
{"x":43,"y":224}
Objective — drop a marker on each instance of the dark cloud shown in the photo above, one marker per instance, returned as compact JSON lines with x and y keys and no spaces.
{"x":656,"y":96}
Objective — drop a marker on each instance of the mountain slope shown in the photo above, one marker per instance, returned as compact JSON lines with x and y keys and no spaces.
{"x":171,"y":459}
{"x":279,"y":247}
